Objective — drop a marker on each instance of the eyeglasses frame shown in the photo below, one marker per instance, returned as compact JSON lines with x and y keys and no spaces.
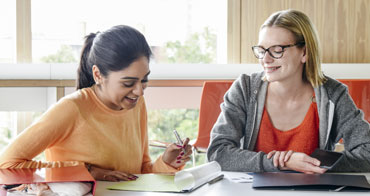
{"x":282,"y":46}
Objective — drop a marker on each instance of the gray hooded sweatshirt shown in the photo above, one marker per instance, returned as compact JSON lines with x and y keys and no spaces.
{"x":234,"y":135}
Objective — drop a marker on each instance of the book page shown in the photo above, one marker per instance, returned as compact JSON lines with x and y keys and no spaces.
{"x":183,"y":181}
{"x":148,"y":182}
{"x":192,"y":178}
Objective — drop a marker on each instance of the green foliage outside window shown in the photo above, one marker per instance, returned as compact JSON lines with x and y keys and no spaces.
{"x":5,"y":137}
{"x":63,"y":55}
{"x":198,"y":48}
{"x":161,"y":124}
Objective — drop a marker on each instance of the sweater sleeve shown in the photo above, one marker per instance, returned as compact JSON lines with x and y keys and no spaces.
{"x":54,"y":125}
{"x":349,"y":124}
{"x":225,"y":145}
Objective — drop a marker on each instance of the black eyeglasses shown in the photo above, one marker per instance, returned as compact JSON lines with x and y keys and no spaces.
{"x":275,"y":51}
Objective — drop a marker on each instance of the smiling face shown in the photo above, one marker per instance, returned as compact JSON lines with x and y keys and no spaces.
{"x":290,"y":65}
{"x":121,"y":89}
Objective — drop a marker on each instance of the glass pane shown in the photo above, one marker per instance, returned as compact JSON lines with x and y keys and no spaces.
{"x":7,"y":32}
{"x":161,"y":122}
{"x":13,"y":123}
{"x":179,"y":31}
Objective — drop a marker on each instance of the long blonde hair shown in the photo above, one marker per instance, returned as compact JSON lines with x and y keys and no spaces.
{"x":304,"y":32}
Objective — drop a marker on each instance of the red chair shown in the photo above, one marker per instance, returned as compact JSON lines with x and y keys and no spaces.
{"x":212,"y":96}
{"x":359,"y":89}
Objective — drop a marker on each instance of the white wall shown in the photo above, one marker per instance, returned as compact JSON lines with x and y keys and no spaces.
{"x":167,"y":97}
{"x":40,"y":98}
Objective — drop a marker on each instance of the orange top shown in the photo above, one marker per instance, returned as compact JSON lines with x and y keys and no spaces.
{"x":81,"y":129}
{"x":304,"y":138}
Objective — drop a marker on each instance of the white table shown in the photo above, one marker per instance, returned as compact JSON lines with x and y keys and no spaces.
{"x":225,"y":187}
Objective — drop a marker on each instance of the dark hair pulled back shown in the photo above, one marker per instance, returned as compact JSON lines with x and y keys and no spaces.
{"x":112,"y":50}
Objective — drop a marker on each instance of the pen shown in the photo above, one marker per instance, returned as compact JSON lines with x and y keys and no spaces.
{"x":214,"y":180}
{"x":179,"y":140}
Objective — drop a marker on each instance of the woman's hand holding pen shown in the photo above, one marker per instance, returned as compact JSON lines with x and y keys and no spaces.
{"x":177,"y":155}
{"x":110,"y":175}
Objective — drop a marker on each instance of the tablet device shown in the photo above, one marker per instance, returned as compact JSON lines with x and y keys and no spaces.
{"x":327,"y":158}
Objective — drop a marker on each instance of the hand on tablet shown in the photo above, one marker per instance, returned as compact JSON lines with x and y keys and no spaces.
{"x":297,"y":161}
{"x":280,"y":157}
{"x":303,"y":163}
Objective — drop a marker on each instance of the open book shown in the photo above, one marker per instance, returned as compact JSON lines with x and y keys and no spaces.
{"x":183,"y":181}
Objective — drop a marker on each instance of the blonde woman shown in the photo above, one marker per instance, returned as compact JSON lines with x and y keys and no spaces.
{"x":275,"y":119}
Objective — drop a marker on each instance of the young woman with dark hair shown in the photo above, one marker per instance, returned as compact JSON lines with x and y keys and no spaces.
{"x":104,"y":123}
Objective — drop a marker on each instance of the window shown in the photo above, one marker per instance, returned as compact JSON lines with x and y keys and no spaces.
{"x":7,"y":128}
{"x":7,"y":32}
{"x":12,"y":123}
{"x":178,"y":31}
{"x":165,"y":115}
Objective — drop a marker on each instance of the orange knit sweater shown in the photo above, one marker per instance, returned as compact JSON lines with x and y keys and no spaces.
{"x":304,"y":138}
{"x":79,"y":129}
